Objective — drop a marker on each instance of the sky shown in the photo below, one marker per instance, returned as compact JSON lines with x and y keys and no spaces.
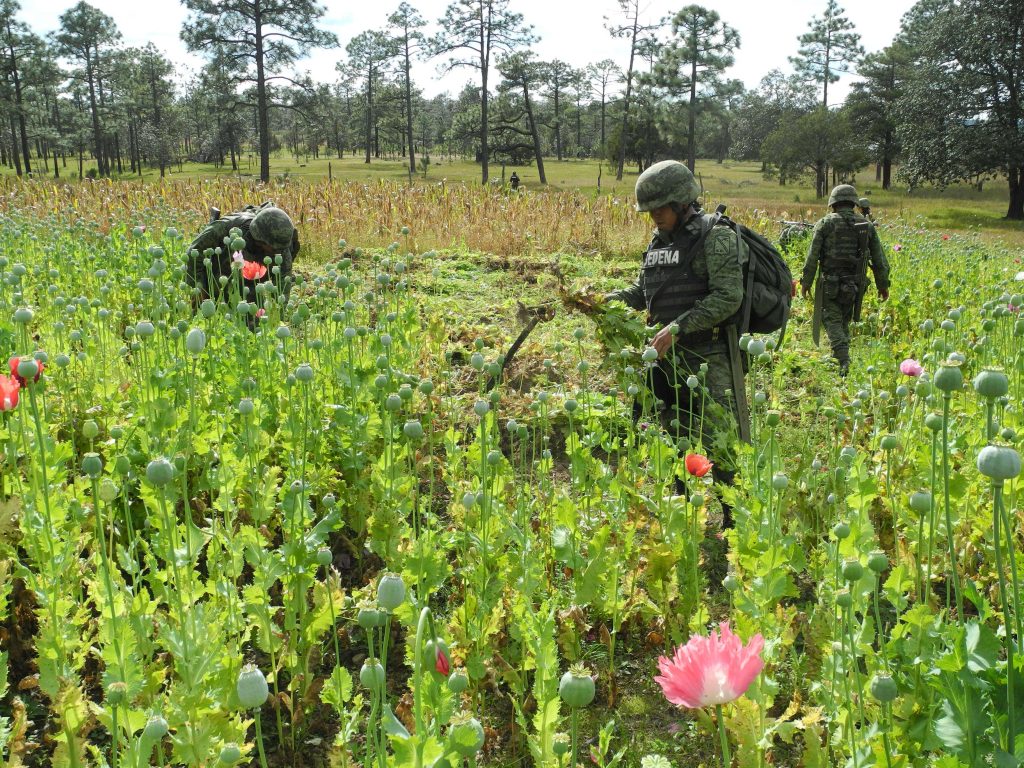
{"x":571,"y":30}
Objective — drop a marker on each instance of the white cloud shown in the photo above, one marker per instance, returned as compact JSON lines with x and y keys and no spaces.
{"x":572,"y":30}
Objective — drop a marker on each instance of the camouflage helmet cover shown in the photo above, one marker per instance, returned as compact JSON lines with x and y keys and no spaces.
{"x":864,"y":203}
{"x":844,"y":193}
{"x":272,"y":226}
{"x":666,"y":182}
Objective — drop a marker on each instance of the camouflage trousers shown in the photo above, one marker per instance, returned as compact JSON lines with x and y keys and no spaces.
{"x":705,"y":414}
{"x":836,"y":316}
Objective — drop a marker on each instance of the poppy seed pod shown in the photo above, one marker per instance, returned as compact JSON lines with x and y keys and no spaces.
{"x":251,"y":687}
{"x":156,"y":728}
{"x":949,"y":378}
{"x":576,"y":688}
{"x":999,"y":462}
{"x":390,"y":591}
{"x":991,"y":383}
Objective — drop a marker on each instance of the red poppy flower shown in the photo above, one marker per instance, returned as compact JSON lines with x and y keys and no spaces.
{"x":441,"y":663}
{"x":945,"y":237}
{"x":253,"y":270}
{"x":8,"y":393}
{"x":697,"y":465}
{"x":13,"y":364}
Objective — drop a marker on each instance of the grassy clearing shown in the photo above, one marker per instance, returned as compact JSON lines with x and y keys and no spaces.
{"x":739,"y":184}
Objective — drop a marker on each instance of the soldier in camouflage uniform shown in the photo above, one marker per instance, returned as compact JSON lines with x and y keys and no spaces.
{"x":271,"y":240}
{"x":695,"y":285}
{"x":843,"y":245}
{"x":865,"y":208}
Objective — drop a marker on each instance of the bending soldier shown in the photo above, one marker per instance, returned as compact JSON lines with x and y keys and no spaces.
{"x":865,"y":208}
{"x":691,"y":281}
{"x":271,"y":244}
{"x":843,"y":245}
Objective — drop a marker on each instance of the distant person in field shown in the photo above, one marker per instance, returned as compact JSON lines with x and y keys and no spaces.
{"x":865,"y":208}
{"x":844,"y":244}
{"x":513,"y":181}
{"x":690,"y":281}
{"x":271,"y":244}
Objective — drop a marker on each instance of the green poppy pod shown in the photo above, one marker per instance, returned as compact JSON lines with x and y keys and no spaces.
{"x":251,"y":687}
{"x":372,"y":675}
{"x":466,"y":735}
{"x":230,"y":754}
{"x":560,"y":744}
{"x":878,"y":561}
{"x":999,"y":462}
{"x":889,"y":443}
{"x":159,"y":472}
{"x":853,"y":570}
{"x":991,"y":383}
{"x":844,"y":599}
{"x":772,"y":418}
{"x":390,"y":591}
{"x":368,"y":617}
{"x":949,"y":378}
{"x":156,"y":728}
{"x":413,"y":429}
{"x":883,"y":688}
{"x":92,"y":465}
{"x":576,"y":688}
{"x":841,"y":530}
{"x":933,"y":421}
{"x":117,"y":693}
{"x":324,"y":556}
{"x":756,"y":348}
{"x":481,"y":407}
{"x":920,"y":502}
{"x":458,"y":681}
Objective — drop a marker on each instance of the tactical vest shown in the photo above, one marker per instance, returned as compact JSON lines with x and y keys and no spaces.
{"x":670,"y":285}
{"x":846,"y":255}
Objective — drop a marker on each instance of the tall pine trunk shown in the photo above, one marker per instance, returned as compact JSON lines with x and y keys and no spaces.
{"x":1016,"y":180}
{"x":262,"y":108}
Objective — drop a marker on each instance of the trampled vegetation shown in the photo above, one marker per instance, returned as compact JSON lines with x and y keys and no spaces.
{"x":411,"y":559}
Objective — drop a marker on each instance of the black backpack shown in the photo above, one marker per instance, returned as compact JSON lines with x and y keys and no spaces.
{"x":768,"y":292}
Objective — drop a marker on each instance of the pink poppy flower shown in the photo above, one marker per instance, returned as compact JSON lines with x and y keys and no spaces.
{"x":253,"y":270}
{"x":910,"y":367}
{"x":712,"y":670}
{"x":9,"y":388}
{"x":261,"y":313}
{"x":697,"y":465}
{"x":897,"y":247}
{"x":237,"y":257}
{"x":441,"y":663}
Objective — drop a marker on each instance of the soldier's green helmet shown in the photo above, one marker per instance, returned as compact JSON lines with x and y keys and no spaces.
{"x":272,"y":226}
{"x":863,"y":203}
{"x":666,"y":182}
{"x":844,"y":193}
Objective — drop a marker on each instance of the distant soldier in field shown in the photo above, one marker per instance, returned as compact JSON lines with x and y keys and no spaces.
{"x":271,"y":244}
{"x":844,"y":244}
{"x":691,"y":284}
{"x":865,"y":208}
{"x":513,"y":181}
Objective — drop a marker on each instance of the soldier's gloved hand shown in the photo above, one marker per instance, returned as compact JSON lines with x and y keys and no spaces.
{"x":883,"y":295}
{"x":805,"y":290}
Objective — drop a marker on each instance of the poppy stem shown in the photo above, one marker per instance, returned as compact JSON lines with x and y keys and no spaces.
{"x":726,"y":759}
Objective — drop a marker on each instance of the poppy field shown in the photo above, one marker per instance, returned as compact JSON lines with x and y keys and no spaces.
{"x":347,"y":529}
